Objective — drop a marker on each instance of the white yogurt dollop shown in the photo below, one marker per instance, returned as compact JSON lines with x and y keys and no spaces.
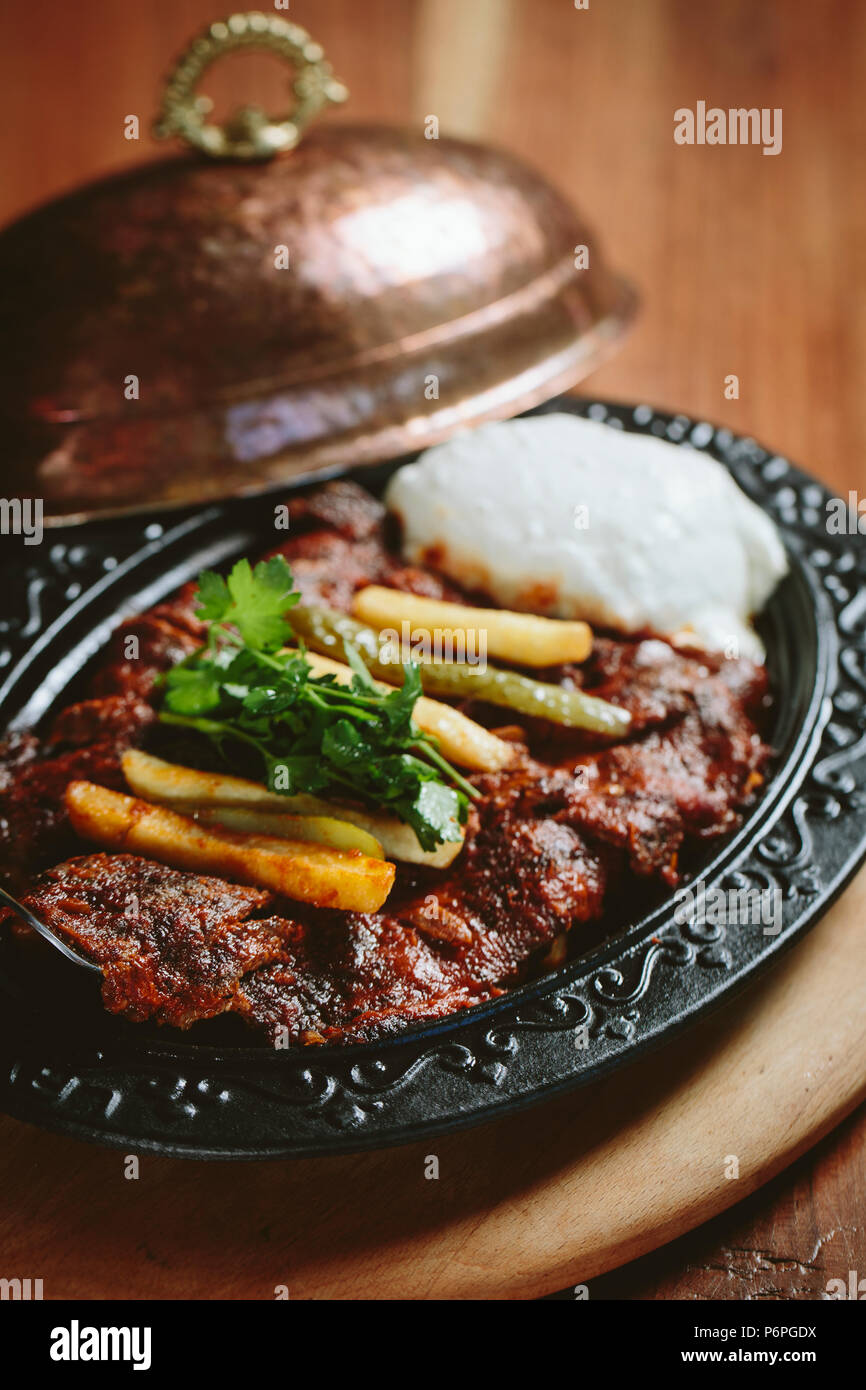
{"x":572,"y":519}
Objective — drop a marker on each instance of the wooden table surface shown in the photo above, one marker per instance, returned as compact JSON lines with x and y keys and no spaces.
{"x":748,"y":265}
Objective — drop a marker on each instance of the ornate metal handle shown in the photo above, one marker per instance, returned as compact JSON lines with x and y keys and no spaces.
{"x":250,"y":133}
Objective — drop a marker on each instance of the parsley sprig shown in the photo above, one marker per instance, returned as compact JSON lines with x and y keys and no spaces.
{"x":350,"y":742}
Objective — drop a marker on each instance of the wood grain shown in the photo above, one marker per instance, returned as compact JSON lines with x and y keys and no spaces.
{"x":787,"y":1241}
{"x":748,"y":265}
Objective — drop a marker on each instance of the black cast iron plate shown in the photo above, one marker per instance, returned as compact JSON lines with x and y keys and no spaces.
{"x":97,"y":1078}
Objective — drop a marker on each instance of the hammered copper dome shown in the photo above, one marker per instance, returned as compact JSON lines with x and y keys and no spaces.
{"x":198,"y":328}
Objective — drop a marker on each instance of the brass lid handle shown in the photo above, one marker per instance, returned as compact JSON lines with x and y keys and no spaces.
{"x":249,"y":133}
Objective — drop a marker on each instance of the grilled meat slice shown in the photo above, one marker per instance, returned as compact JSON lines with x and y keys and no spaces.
{"x":340,"y":506}
{"x":143,"y":647}
{"x":694,"y":762}
{"x":86,"y":742}
{"x":172,"y":946}
{"x":685,"y":779}
{"x":117,"y":719}
{"x":352,"y":978}
{"x":338,"y":544}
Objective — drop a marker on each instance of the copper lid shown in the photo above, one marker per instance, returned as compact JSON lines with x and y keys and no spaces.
{"x":204,"y":328}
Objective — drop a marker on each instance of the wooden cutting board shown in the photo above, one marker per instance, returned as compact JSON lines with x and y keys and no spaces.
{"x":538,"y":1201}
